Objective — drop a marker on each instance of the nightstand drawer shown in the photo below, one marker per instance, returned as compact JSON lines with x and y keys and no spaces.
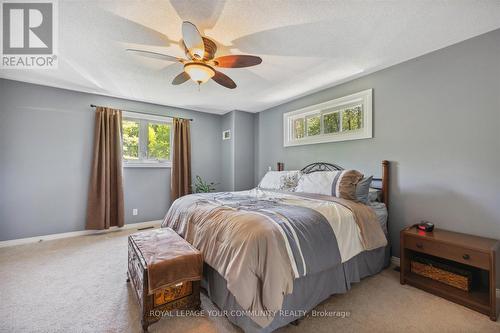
{"x":451,"y":252}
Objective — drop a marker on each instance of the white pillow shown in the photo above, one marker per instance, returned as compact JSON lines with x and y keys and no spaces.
{"x":319,"y":182}
{"x":280,"y":180}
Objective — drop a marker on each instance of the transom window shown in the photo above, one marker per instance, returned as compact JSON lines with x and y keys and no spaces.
{"x":146,"y":140}
{"x":345,"y":118}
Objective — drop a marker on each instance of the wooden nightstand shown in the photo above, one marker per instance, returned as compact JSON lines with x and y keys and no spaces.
{"x":481,"y":254}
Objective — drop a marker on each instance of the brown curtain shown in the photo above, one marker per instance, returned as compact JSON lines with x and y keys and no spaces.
{"x":181,"y":162}
{"x":105,"y":199}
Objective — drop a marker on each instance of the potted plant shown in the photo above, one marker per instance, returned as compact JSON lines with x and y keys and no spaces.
{"x":201,"y":186}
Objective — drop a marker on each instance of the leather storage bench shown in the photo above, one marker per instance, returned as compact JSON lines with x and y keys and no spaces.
{"x":165,"y":272}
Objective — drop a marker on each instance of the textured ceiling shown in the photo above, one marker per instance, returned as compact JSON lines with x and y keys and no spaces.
{"x":305,"y":45}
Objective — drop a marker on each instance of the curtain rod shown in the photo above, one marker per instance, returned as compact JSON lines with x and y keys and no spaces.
{"x":152,"y":114}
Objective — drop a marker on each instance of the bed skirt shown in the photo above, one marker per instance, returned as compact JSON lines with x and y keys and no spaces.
{"x":308,"y":291}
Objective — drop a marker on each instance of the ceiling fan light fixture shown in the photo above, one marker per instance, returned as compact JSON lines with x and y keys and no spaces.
{"x":199,"y":72}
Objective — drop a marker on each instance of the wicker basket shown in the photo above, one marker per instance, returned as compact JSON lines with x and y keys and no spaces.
{"x":460,"y":279}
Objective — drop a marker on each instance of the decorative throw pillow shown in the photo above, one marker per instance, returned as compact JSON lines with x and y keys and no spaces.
{"x":289,"y":181}
{"x":345,"y":184}
{"x":341,"y":184}
{"x":280,"y":180}
{"x":362,"y":189}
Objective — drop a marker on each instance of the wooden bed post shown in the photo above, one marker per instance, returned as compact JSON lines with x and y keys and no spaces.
{"x":385,"y":183}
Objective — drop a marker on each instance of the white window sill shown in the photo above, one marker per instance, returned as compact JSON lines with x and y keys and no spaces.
{"x":146,"y":165}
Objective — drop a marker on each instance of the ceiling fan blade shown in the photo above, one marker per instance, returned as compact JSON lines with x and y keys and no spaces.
{"x":224,"y":80}
{"x":210,"y":49}
{"x":193,"y":40}
{"x":237,"y":61}
{"x":154,"y":55}
{"x":180,"y":79}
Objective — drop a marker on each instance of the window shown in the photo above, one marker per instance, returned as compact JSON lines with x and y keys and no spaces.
{"x":331,"y":122}
{"x":313,"y":125}
{"x":146,"y":140}
{"x":299,"y":128}
{"x":341,"y":119}
{"x":130,"y":134}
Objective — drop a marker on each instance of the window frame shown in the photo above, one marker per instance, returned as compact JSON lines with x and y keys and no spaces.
{"x":363,"y":98}
{"x":144,"y":121}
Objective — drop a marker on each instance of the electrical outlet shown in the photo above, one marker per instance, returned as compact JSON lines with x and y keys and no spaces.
{"x":269,"y":168}
{"x":135,"y":211}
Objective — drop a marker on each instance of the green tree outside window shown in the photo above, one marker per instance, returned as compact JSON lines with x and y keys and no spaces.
{"x":130,"y":139}
{"x":352,"y":119}
{"x":159,"y":141}
{"x":313,"y":125}
{"x":331,"y":123}
{"x":299,"y":128}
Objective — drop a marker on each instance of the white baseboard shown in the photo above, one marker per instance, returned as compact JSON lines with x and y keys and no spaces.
{"x":37,"y":239}
{"x":395,"y":262}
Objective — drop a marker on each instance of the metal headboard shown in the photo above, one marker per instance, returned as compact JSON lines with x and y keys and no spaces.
{"x":321,"y":166}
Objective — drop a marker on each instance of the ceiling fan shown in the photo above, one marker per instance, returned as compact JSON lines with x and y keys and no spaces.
{"x":199,"y":65}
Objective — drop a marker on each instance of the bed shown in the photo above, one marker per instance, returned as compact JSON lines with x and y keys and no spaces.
{"x":272,"y":256}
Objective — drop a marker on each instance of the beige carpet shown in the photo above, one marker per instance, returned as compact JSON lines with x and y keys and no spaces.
{"x":78,"y":285}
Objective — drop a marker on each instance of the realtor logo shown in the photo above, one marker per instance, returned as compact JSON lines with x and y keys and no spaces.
{"x":29,"y":34}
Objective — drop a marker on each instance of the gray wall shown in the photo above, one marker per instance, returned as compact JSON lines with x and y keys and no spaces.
{"x":227,"y":161}
{"x":437,"y":119}
{"x":243,"y":150}
{"x":238,"y":152}
{"x":45,"y":151}
{"x":256,"y":145}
